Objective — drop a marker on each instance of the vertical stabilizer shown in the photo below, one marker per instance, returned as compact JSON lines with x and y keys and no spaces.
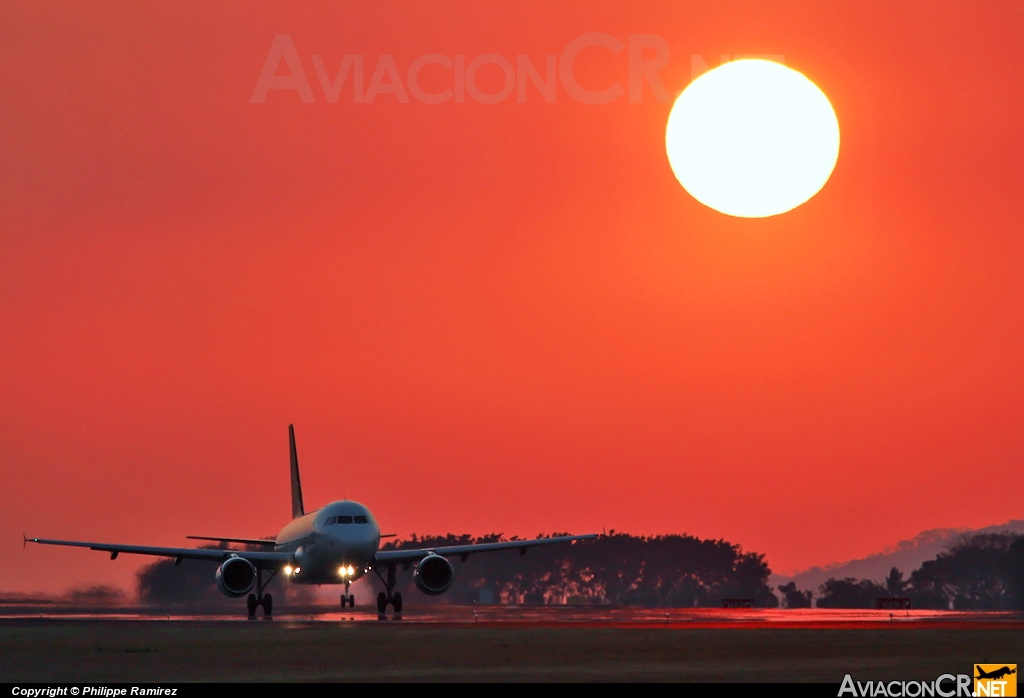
{"x":297,"y":508}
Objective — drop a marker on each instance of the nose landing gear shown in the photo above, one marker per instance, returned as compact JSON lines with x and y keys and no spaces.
{"x":348,"y":598}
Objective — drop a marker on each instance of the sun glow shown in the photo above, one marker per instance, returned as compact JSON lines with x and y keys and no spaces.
{"x":752,"y":138}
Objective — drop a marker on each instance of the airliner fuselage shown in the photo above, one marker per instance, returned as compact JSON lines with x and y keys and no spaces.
{"x":334,"y":545}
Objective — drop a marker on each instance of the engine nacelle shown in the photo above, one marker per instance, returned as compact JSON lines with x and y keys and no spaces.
{"x":236,"y":577}
{"x":433,"y":575}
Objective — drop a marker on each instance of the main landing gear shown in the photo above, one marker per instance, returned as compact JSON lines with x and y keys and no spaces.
{"x":395,"y":601}
{"x":348,"y":598}
{"x":391,"y":597}
{"x":259,"y":598}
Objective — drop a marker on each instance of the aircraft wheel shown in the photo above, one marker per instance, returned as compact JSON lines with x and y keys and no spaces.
{"x":396,"y":601}
{"x":268,"y":606}
{"x":351,"y":600}
{"x":251,"y":604}
{"x":382,"y":603}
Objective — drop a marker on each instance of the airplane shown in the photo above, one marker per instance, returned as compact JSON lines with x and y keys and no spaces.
{"x":336,"y":544}
{"x":996,"y":673}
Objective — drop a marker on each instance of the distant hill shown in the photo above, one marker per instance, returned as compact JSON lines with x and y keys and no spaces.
{"x":907,"y":555}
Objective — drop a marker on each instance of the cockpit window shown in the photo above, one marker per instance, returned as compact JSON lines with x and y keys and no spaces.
{"x":330,"y":520}
{"x":361,"y":519}
{"x":344,"y":519}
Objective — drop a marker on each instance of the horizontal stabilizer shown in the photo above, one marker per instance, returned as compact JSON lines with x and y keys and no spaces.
{"x":246,"y":541}
{"x":417,"y":554}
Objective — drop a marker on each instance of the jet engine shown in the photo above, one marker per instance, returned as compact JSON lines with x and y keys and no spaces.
{"x":434,"y":575}
{"x":236,"y":577}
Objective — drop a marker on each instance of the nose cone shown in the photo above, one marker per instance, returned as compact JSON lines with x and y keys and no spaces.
{"x":355,"y":547}
{"x":355,"y":542}
{"x":348,"y":531}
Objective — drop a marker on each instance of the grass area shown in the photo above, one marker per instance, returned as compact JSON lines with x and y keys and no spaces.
{"x":65,"y":651}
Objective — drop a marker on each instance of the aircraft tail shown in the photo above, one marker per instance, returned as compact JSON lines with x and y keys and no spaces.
{"x":297,"y":508}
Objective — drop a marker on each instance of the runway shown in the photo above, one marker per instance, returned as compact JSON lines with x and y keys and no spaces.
{"x":544,"y":616}
{"x":501,"y":643}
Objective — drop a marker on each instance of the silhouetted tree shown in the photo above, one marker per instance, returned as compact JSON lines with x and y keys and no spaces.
{"x":794,"y":598}
{"x":894,"y":583}
{"x":980,"y":573}
{"x":1013,"y":567}
{"x":849,"y":593}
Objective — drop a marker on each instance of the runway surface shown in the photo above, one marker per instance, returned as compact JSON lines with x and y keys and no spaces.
{"x":502,"y":643}
{"x":543,"y":616}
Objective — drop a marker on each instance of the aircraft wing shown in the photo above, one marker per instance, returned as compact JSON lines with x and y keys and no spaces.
{"x":414,"y":555}
{"x":184,"y":553}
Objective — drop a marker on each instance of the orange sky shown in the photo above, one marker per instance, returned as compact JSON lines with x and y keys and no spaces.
{"x":499,"y":317}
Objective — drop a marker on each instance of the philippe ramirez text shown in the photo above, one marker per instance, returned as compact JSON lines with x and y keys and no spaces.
{"x":104,"y":691}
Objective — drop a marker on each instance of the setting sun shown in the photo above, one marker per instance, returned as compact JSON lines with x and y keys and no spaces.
{"x":752,"y":138}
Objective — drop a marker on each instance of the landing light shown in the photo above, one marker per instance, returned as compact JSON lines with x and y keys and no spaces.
{"x":341,"y":571}
{"x":351,"y":571}
{"x":287,"y":569}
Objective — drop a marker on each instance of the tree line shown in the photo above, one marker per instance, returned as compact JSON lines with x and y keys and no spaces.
{"x":985,"y":572}
{"x":981,"y":573}
{"x":616,"y":568}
